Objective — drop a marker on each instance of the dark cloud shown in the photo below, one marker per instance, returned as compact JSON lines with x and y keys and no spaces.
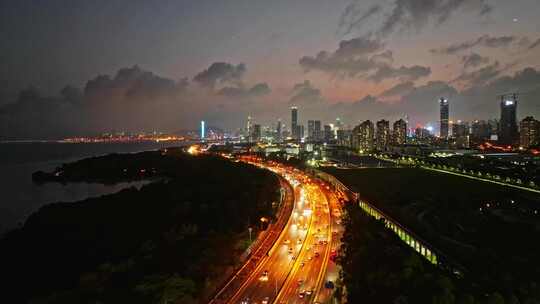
{"x":473,"y":60}
{"x":220,"y":73}
{"x":399,"y":89}
{"x":354,"y":16}
{"x":259,"y":89}
{"x":132,"y":100}
{"x":402,"y":73}
{"x":480,"y":76}
{"x":362,"y":57}
{"x":483,"y":41}
{"x":305,"y":94}
{"x":403,"y":15}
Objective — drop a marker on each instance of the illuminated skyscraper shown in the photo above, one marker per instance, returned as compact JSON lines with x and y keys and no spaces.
{"x":383,"y":135}
{"x":363,"y":137}
{"x":203,"y":131}
{"x":444,"y":112}
{"x":256,"y":134}
{"x":400,"y":132}
{"x":508,"y":129}
{"x":248,"y":129}
{"x":529,"y":132}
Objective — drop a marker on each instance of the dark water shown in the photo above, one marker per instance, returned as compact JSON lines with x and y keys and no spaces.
{"x":19,"y":196}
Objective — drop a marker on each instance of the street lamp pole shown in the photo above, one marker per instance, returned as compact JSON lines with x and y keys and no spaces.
{"x":250,"y":229}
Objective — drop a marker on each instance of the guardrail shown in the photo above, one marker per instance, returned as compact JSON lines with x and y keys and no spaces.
{"x":429,"y":252}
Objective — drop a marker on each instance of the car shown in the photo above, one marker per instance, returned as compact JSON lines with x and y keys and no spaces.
{"x":317,"y":254}
{"x":309,"y":292}
{"x":302,"y":294}
{"x":266,"y":300}
{"x":245,"y":301}
{"x":264,"y":276}
{"x":286,"y":242}
{"x":329,"y":284}
{"x":300,"y":282}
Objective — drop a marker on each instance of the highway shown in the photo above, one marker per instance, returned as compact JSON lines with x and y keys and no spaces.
{"x":295,"y":269}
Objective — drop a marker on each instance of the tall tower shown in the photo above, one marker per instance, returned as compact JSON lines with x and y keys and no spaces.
{"x":278,"y":130}
{"x":294,"y":123}
{"x":249,"y":128}
{"x":508,"y":130}
{"x":400,"y":132}
{"x":203,"y":129}
{"x":444,"y":109}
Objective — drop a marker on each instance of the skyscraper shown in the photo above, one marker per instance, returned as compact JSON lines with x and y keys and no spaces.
{"x":400,"y":132}
{"x":248,"y":129}
{"x":508,"y":129}
{"x":278,"y":130}
{"x":203,"y":129}
{"x":311,"y":130}
{"x":480,"y":131}
{"x":363,"y":136}
{"x":256,"y":135}
{"x":529,"y":132}
{"x":328,"y":133}
{"x":383,"y":134}
{"x":294,"y":123}
{"x":444,"y":111}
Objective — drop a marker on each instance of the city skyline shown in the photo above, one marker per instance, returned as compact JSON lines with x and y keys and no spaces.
{"x":336,"y":65}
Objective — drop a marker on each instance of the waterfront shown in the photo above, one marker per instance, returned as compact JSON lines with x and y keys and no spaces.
{"x":21,"y":196}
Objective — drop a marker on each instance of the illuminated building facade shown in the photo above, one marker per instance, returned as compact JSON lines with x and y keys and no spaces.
{"x":529,"y":132}
{"x":508,"y":129}
{"x":444,"y":114}
{"x":383,"y":135}
{"x":400,"y":132}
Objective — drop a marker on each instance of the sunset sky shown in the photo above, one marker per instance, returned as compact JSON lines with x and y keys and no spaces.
{"x":173,"y":63}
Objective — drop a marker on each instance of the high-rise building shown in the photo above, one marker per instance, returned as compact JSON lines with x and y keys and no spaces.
{"x":383,"y":135}
{"x":508,"y":129}
{"x":529,"y":132}
{"x":314,"y":130}
{"x":444,"y":113}
{"x":328,"y":133}
{"x":278,"y":130}
{"x":294,"y":123}
{"x":460,"y":129}
{"x":344,"y":137}
{"x":480,"y":131}
{"x":203,"y":129}
{"x":249,"y":128}
{"x":256,"y":135}
{"x":400,"y":132}
{"x":363,"y":137}
{"x":311,"y":130}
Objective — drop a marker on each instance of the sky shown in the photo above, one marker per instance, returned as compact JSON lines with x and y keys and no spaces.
{"x":86,"y":67}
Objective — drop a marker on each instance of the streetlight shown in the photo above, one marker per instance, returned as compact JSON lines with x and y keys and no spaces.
{"x":250,"y":229}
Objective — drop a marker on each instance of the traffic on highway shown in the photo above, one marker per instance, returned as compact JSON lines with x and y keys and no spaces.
{"x":300,"y":266}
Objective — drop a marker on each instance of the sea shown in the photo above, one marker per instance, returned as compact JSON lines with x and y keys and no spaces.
{"x":20,"y":197}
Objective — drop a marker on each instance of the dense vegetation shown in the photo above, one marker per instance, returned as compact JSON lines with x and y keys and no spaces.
{"x":379,"y":268}
{"x":164,"y":243}
{"x":490,"y":229}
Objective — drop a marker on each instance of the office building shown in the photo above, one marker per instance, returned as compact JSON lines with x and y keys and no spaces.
{"x":278,"y":131}
{"x":328,"y":133}
{"x":529,"y":132}
{"x":480,"y":131}
{"x":256,"y":134}
{"x":383,"y":135}
{"x":400,"y":132}
{"x":294,"y":123}
{"x":508,"y":129}
{"x":444,"y":114}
